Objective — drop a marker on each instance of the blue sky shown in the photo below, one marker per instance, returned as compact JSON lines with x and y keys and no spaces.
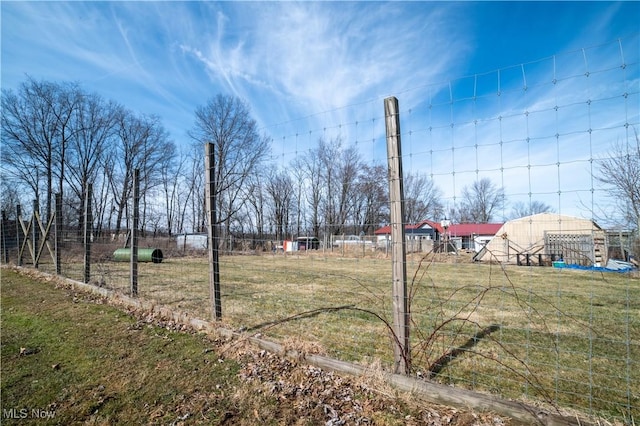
{"x":314,"y":69}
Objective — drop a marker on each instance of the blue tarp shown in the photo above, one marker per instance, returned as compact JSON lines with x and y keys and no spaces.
{"x":592,"y":268}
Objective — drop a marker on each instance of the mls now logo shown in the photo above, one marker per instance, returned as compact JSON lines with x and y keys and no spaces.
{"x":23,"y":413}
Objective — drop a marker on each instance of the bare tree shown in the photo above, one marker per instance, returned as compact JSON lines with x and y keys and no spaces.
{"x":68,"y":100}
{"x":328,"y":153}
{"x":279,"y":188}
{"x":350,"y":167}
{"x":310,"y":166}
{"x":620,"y":174}
{"x":339,"y":171}
{"x":372,"y":198}
{"x":298,"y":181}
{"x":92,"y":128}
{"x":57,"y":137}
{"x":176,"y":192}
{"x":520,"y":209}
{"x":480,"y":202}
{"x":10,"y":196}
{"x":34,"y":134}
{"x":256,"y":206}
{"x":422,"y":199}
{"x":142,"y":144}
{"x":104,"y":206}
{"x":225,"y":121}
{"x":195,"y":181}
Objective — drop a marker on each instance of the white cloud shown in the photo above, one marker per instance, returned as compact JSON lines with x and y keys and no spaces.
{"x":321,"y":69}
{"x":306,"y":58}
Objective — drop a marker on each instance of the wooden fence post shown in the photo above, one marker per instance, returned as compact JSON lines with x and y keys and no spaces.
{"x":35,"y":224}
{"x":58,"y":234}
{"x":134,"y":233}
{"x":401,"y":315}
{"x":88,"y":228}
{"x":212,"y":218}
{"x":19,"y":235}
{"x":3,"y":237}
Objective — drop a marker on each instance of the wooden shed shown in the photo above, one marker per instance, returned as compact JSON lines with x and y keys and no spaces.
{"x":546,"y":237}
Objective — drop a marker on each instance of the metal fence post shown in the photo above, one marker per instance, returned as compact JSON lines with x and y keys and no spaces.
{"x":401,"y":316}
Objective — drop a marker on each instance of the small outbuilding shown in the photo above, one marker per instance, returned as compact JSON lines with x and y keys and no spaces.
{"x":419,"y":236}
{"x":472,"y":236}
{"x":546,"y":237}
{"x":308,"y":243}
{"x":197,"y":241}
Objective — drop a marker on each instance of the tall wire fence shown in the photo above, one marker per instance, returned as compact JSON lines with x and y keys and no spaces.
{"x":527,"y":309}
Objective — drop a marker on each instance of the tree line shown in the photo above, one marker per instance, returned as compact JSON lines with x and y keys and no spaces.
{"x":58,"y":138}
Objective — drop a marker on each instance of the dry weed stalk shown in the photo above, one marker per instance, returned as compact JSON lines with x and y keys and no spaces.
{"x":437,"y":345}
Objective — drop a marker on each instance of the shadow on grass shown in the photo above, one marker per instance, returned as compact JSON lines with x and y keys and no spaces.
{"x":450,"y":356}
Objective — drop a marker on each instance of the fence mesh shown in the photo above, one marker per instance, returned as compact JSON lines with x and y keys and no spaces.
{"x":526,"y":310}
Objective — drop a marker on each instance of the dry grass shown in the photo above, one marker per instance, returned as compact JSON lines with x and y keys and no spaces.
{"x":67,"y":358}
{"x":565,"y":337}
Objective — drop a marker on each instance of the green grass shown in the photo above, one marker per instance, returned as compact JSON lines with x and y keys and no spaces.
{"x":88,"y":362}
{"x":566,"y":337}
{"x":68,"y":358}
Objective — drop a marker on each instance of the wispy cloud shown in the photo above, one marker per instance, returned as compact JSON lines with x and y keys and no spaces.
{"x":321,"y":69}
{"x":319,"y":57}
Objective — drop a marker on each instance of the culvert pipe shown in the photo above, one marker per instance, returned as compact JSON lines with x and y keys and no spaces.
{"x":144,"y":255}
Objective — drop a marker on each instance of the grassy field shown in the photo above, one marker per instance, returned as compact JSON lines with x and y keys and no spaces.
{"x":69,"y":358}
{"x":565,"y":337}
